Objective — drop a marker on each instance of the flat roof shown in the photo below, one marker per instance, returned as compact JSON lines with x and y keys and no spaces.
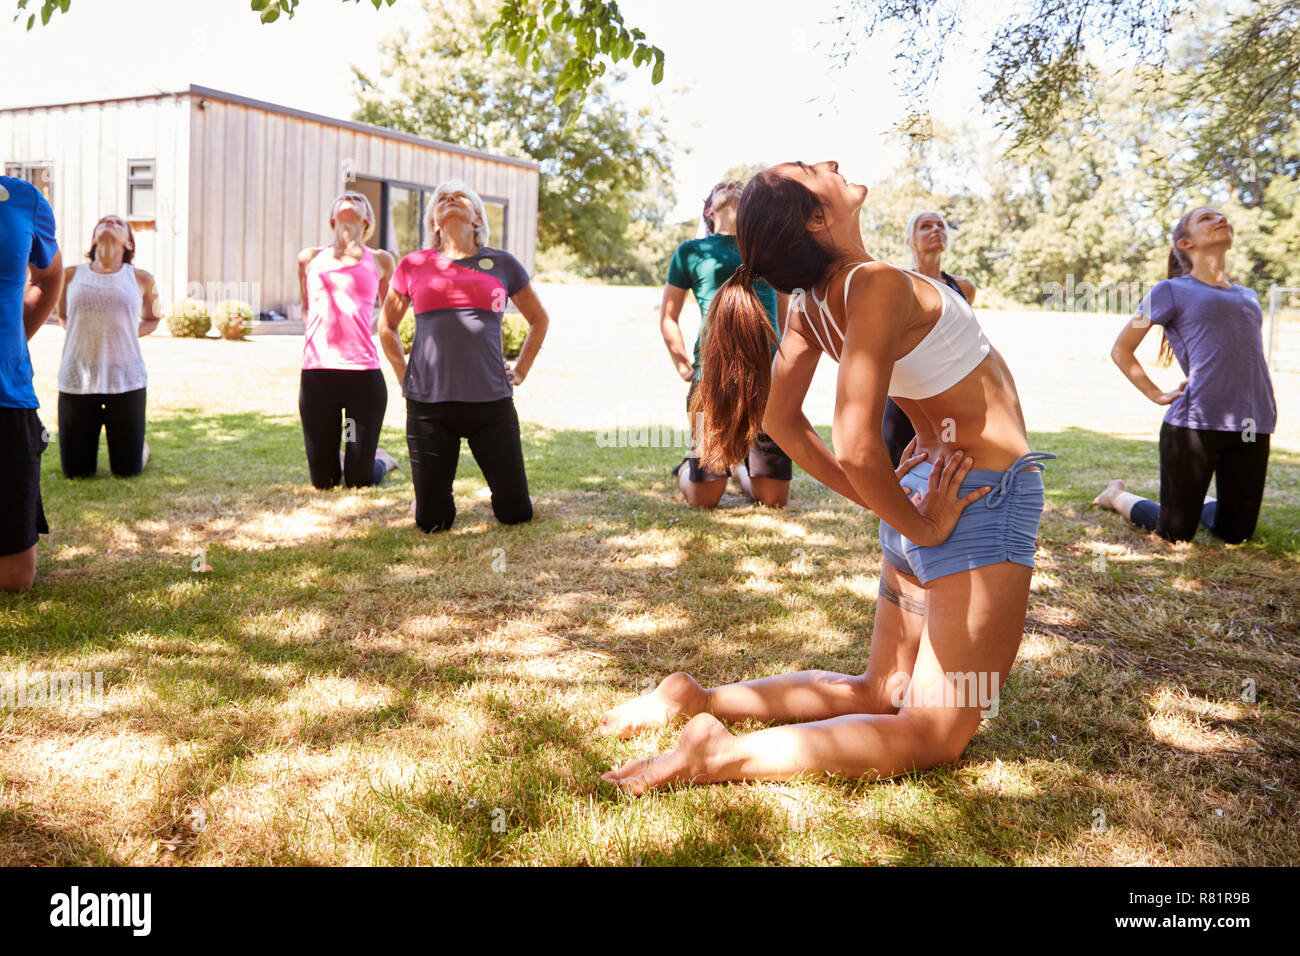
{"x":204,"y":92}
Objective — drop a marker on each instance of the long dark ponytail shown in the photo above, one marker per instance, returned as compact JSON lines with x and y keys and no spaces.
{"x":1179,"y":264}
{"x":736,"y":367}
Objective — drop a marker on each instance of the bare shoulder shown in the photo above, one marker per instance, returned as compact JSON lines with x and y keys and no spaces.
{"x":144,"y":278}
{"x":385,"y":259}
{"x":68,"y":273}
{"x":876,"y":281}
{"x":967,"y":287}
{"x":308,"y":254}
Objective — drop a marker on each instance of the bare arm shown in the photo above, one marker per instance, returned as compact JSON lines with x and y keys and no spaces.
{"x":386,"y":266}
{"x":530,"y":308}
{"x":68,"y":273}
{"x":880,"y":306}
{"x":42,"y":294}
{"x":149,"y":312}
{"x":782,"y":311}
{"x":1124,"y":354}
{"x":304,"y":260}
{"x":785,"y":421}
{"x":395,"y":306}
{"x":670,"y":327}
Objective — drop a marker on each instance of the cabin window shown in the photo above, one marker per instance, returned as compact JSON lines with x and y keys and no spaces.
{"x":40,"y":175}
{"x":400,"y":208}
{"x":496,"y":220}
{"x":140,"y":188}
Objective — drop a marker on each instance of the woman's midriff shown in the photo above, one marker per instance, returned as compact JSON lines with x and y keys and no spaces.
{"x":980,"y":416}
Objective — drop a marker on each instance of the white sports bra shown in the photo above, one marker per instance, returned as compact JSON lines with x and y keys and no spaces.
{"x":947,"y":354}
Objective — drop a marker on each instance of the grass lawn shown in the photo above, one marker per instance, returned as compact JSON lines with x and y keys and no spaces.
{"x":341,"y":689}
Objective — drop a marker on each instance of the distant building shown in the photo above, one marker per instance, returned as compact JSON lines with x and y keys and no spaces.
{"x":223,"y":191}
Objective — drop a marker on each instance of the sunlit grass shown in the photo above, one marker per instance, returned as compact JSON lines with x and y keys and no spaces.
{"x":343,"y":689}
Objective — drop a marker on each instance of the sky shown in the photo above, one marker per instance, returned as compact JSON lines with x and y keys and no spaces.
{"x":745,"y":81}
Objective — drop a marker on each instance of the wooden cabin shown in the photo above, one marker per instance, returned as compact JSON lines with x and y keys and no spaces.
{"x":222,"y":191}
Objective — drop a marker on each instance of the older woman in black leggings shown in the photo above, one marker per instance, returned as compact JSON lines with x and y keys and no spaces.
{"x":456,"y":384}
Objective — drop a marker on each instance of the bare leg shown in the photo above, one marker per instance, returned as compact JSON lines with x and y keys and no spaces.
{"x":700,"y":494}
{"x":803,"y":695}
{"x":768,"y":491}
{"x":1114,"y":497}
{"x":973,"y":625}
{"x":18,"y":571}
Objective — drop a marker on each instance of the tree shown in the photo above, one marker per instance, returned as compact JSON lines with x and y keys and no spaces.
{"x":593,"y":31}
{"x":1245,"y":76}
{"x":601,"y":167}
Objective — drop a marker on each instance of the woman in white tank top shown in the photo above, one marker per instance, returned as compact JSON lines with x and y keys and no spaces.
{"x":107,"y":305}
{"x":958,"y":519}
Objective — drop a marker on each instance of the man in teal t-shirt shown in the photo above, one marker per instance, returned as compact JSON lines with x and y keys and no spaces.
{"x":702,"y":266}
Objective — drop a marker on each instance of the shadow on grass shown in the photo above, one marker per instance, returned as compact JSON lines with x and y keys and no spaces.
{"x":481,"y":621}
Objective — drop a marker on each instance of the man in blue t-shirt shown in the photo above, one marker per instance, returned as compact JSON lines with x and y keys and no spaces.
{"x":702,"y":266}
{"x":27,"y":244}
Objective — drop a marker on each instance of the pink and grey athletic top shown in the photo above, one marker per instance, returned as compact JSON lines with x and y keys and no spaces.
{"x":340,"y":304}
{"x":456,"y":353}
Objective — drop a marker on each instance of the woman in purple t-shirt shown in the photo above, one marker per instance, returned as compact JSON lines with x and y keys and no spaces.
{"x":1221,"y":416}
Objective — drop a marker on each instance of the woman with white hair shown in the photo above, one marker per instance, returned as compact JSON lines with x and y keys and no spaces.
{"x":456,"y":382}
{"x":342,"y":394}
{"x":927,"y":236}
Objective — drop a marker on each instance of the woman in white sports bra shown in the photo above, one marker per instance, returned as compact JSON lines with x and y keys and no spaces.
{"x":958,"y":517}
{"x":927,"y":236}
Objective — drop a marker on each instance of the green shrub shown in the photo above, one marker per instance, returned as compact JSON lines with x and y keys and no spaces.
{"x":188,"y":319}
{"x":233,"y":319}
{"x":514,"y":329}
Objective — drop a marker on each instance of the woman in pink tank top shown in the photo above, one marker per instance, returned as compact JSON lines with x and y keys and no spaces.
{"x":342,"y":395}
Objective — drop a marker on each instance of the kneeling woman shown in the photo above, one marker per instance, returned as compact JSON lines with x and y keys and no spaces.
{"x":456,"y":384}
{"x":927,"y":236}
{"x":958,"y":521}
{"x":341,"y":379}
{"x":1220,"y":419}
{"x":107,"y":305}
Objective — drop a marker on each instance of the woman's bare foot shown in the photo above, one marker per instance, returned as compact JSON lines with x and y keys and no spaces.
{"x":678,"y":696}
{"x":703,"y":743}
{"x":144,"y":456}
{"x":1108,"y":495}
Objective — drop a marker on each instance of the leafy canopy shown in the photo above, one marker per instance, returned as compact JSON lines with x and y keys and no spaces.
{"x":602,"y":167}
{"x":593,"y":30}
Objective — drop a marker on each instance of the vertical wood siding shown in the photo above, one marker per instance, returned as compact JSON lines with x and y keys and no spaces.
{"x":239,"y":190}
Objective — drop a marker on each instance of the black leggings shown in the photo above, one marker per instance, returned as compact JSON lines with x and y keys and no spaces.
{"x":1188,"y":457}
{"x":80,"y":419}
{"x":433,"y":434}
{"x":331,"y":400}
{"x":896,"y":430}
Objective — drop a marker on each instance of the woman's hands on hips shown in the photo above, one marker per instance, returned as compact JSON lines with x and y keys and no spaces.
{"x":1168,"y":398}
{"x":940,"y":505}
